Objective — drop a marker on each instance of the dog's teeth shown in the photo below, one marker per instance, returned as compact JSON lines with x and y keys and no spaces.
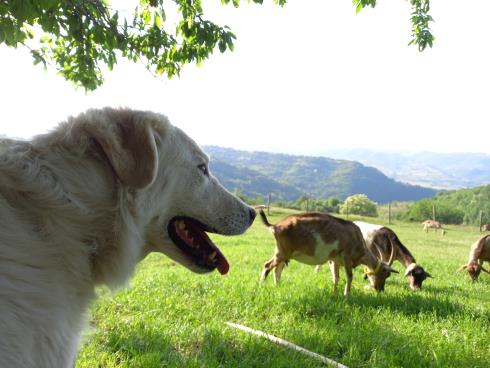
{"x":212,"y":256}
{"x":181,"y":225}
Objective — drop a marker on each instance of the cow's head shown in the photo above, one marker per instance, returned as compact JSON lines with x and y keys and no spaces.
{"x":416,"y":275}
{"x":474,"y":269}
{"x":377,"y":277}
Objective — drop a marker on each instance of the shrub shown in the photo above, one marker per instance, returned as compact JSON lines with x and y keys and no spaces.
{"x":332,"y":204}
{"x":445,"y":213}
{"x":359,"y":204}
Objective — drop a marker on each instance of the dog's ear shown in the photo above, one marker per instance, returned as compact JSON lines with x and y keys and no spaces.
{"x":129,"y":144}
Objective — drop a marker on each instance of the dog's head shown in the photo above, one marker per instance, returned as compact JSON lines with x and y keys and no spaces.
{"x":176,"y":199}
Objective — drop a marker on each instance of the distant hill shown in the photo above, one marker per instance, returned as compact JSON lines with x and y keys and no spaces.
{"x":320,"y":177}
{"x":251,"y":183}
{"x":429,"y":169}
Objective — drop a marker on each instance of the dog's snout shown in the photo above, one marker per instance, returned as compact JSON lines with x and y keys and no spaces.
{"x":252,"y":215}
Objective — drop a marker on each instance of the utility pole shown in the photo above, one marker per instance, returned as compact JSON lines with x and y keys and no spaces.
{"x":268,"y":204}
{"x":389,"y":213}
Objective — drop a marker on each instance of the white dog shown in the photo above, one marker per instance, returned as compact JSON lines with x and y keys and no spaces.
{"x":80,"y":206}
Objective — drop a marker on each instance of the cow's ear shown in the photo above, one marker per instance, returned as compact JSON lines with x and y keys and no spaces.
{"x":127,"y":140}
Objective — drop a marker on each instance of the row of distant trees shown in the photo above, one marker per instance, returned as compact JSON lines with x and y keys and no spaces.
{"x":358,"y":204}
{"x":445,"y":211}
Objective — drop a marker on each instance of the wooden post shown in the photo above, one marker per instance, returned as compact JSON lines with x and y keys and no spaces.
{"x":268,"y":204}
{"x":481,"y":219}
{"x":389,"y":213}
{"x":434,"y":212}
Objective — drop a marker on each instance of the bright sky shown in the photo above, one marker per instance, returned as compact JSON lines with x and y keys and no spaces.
{"x":304,"y":78}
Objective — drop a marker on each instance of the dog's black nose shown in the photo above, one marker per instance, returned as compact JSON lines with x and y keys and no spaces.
{"x":252,"y":215}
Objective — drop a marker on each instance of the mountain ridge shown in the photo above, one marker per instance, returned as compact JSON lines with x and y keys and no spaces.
{"x":316,"y":176}
{"x":430,"y":169}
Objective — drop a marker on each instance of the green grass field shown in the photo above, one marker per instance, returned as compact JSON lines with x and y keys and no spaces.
{"x":170,"y":317}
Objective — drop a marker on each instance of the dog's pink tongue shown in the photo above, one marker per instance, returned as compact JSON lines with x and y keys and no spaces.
{"x":223,"y":266}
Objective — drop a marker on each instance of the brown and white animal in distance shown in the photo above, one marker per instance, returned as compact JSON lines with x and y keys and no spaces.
{"x":479,"y":253}
{"x":81,"y":205}
{"x":384,"y":242}
{"x":485,"y":227}
{"x":432,"y":224}
{"x":316,"y":238}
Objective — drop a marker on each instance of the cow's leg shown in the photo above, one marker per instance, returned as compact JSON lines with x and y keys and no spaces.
{"x":348,"y":275}
{"x":268,"y":266}
{"x":334,"y":269}
{"x":271,"y":264}
{"x":278,"y":272}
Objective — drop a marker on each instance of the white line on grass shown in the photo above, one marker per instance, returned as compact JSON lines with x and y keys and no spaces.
{"x":287,"y":344}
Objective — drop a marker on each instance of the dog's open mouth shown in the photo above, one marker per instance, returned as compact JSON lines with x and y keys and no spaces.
{"x":189,"y":235}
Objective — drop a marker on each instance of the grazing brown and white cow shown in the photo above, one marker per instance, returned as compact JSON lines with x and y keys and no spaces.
{"x":479,"y":253}
{"x":432,"y":224}
{"x":485,"y":227}
{"x":385,"y":243}
{"x":315,"y":238}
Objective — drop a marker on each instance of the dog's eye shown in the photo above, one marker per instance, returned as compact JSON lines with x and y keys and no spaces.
{"x":204,"y":169}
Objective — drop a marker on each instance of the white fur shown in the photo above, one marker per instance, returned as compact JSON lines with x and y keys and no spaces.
{"x":368,"y":230}
{"x":79,"y":207}
{"x":322,"y":252}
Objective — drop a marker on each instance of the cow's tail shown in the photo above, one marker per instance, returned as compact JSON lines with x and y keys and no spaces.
{"x":264,"y":219}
